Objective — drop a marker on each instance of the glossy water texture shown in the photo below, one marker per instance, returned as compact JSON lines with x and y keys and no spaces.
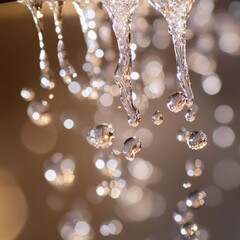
{"x":197,"y":140}
{"x":157,"y":118}
{"x":176,"y":102}
{"x":131,"y":146}
{"x":190,"y":115}
{"x":120,"y":12}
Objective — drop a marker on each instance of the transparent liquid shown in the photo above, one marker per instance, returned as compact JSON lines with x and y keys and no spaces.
{"x":131,"y":146}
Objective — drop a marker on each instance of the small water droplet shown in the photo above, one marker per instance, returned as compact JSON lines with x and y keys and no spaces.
{"x":59,"y":170}
{"x":190,"y":115}
{"x":131,"y":146}
{"x":183,"y":135}
{"x":157,"y":118}
{"x":197,"y":140}
{"x":101,"y":136}
{"x":39,"y":114}
{"x":189,"y":229}
{"x":27,"y":94}
{"x":196,"y":199}
{"x":176,"y":102}
{"x":182,"y":217}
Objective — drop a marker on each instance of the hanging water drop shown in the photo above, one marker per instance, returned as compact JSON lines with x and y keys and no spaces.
{"x":176,"y":14}
{"x":47,"y":77}
{"x":190,"y":115}
{"x":189,"y":229}
{"x":197,"y":140}
{"x":67,"y":72}
{"x":59,"y":171}
{"x":196,"y":199}
{"x":120,"y":13}
{"x":131,"y":146}
{"x":39,"y":114}
{"x":27,"y":94}
{"x":176,"y":102}
{"x":183,"y":135}
{"x":157,"y":118}
{"x":101,"y":136}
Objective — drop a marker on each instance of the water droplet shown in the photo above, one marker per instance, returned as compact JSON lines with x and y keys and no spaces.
{"x":157,"y":118}
{"x":59,"y":170}
{"x":101,"y":136}
{"x":113,"y":227}
{"x":27,"y":94}
{"x":190,"y":115}
{"x":182,"y":217}
{"x":39,"y":114}
{"x":176,"y":102}
{"x":183,"y":135}
{"x":189,"y":229}
{"x":196,"y":199}
{"x":197,"y":140}
{"x":131,"y":146}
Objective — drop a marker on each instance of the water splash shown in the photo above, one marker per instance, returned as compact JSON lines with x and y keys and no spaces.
{"x":67,"y":72}
{"x":120,"y":13}
{"x":47,"y":77}
{"x":176,"y":14}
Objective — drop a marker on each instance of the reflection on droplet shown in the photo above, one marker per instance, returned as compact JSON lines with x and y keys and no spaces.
{"x":224,"y":114}
{"x":131,"y":146}
{"x":197,"y":140}
{"x":13,"y":207}
{"x":182,"y":217}
{"x":223,"y":136}
{"x":189,"y":229}
{"x":183,"y":135}
{"x":38,"y":113}
{"x":176,"y":102}
{"x":59,"y":171}
{"x":27,"y":94}
{"x":196,"y":199}
{"x":157,"y":118}
{"x":190,"y":115}
{"x":101,"y":136}
{"x":226,"y":174}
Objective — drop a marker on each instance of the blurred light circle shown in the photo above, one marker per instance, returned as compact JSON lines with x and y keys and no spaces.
{"x":13,"y":207}
{"x":224,"y":114}
{"x":226,"y":174}
{"x":229,"y":42}
{"x":214,"y":196}
{"x":223,"y":136}
{"x":212,"y":85}
{"x":38,"y":140}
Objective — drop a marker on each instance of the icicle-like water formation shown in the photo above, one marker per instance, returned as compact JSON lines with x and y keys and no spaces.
{"x":176,"y":13}
{"x":120,"y":13}
{"x":67,"y":72}
{"x":47,"y":78}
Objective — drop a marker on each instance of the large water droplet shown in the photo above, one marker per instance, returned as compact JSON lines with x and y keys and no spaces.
{"x":131,"y":146}
{"x":176,"y":102}
{"x":190,"y":115}
{"x":101,"y":136}
{"x":59,"y":170}
{"x":157,"y":118}
{"x":189,"y":229}
{"x":39,"y":114}
{"x":197,"y":140}
{"x":196,"y":199}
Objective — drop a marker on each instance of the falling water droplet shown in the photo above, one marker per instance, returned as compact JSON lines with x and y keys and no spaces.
{"x":157,"y":118}
{"x":59,"y":171}
{"x":176,"y":102}
{"x":120,"y":13}
{"x":183,"y":135}
{"x":197,"y":140}
{"x":67,"y":72}
{"x":39,"y":114}
{"x":101,"y":136}
{"x":182,"y":217}
{"x":189,"y":229}
{"x":190,"y":115}
{"x":176,"y":14}
{"x":27,"y":94}
{"x":131,"y":146}
{"x":46,"y":78}
{"x":196,"y":199}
